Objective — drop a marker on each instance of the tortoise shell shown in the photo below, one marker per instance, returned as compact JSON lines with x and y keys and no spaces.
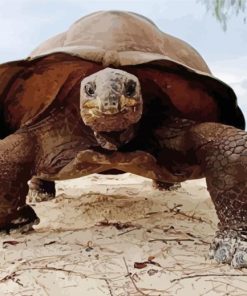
{"x":122,"y":40}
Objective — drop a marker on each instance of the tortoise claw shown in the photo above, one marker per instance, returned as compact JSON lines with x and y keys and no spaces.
{"x":229,"y":246}
{"x":164,"y":186}
{"x":41,"y":190}
{"x":24,"y":228}
{"x":223,"y":254}
{"x":35,"y":196}
{"x":22,"y":221}
{"x":239,"y":259}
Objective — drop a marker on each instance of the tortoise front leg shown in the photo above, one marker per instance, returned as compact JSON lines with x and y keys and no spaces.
{"x":17,"y":153}
{"x":138,"y":162}
{"x":41,"y":190}
{"x":222,"y":153}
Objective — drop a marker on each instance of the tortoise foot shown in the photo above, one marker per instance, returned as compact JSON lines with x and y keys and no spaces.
{"x":36,"y":196}
{"x":230,"y":246}
{"x":41,"y":190}
{"x":164,"y":186}
{"x":21,"y":221}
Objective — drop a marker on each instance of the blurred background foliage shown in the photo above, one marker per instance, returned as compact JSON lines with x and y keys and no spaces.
{"x":224,"y":10}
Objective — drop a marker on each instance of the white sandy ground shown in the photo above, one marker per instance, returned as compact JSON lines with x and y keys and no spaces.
{"x":72,"y":253}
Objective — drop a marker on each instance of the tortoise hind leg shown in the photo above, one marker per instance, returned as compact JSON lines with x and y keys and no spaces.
{"x":165,"y":186}
{"x":41,"y":190}
{"x":222,"y":153}
{"x":17,"y":153}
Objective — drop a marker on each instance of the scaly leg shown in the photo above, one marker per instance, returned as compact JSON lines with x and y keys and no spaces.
{"x":138,"y":162}
{"x":17,"y":157}
{"x":222,"y":153}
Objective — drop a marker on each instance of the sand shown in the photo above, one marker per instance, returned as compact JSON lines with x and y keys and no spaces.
{"x":116,"y":235}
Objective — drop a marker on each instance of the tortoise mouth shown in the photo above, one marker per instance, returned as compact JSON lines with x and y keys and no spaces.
{"x":107,"y":107}
{"x":111,"y":120}
{"x":97,"y":112}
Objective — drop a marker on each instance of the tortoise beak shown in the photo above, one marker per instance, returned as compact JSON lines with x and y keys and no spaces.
{"x":127,"y":102}
{"x":111,"y":105}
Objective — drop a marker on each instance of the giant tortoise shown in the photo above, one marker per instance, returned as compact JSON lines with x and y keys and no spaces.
{"x":116,"y":93}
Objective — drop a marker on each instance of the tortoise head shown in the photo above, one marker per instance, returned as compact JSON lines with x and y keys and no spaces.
{"x":110,"y":100}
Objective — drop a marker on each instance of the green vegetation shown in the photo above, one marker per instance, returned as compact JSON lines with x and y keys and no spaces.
{"x":223,"y":10}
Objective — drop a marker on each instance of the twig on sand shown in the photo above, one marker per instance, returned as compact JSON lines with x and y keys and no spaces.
{"x":8,"y":277}
{"x":207,"y":275}
{"x":229,"y":285}
{"x":42,"y":286}
{"x":48,"y":268}
{"x":133,"y":282}
{"x":213,"y":289}
{"x":164,"y":240}
{"x":11,"y":277}
{"x":177,"y":211}
{"x":13,"y":274}
{"x":192,"y":217}
{"x":109,"y":287}
{"x":127,"y":231}
{"x":117,"y":225}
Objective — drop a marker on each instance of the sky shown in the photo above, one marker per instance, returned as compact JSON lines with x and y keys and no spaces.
{"x":26,"y":23}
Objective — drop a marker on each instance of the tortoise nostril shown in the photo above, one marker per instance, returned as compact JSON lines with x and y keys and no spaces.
{"x":110,"y":104}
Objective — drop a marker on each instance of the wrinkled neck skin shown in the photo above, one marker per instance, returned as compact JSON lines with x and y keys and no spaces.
{"x":114,"y":140}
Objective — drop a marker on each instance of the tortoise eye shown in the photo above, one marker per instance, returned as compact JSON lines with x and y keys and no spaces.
{"x":130,"y":88}
{"x":90,"y":89}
